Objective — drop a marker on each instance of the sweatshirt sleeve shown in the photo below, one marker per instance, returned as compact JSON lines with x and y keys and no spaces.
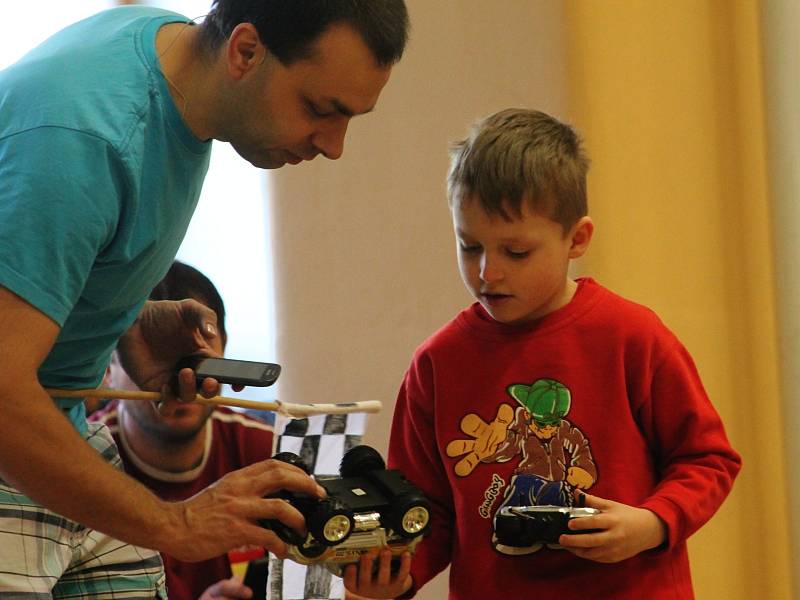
{"x":697,"y":464}
{"x":413,"y":450}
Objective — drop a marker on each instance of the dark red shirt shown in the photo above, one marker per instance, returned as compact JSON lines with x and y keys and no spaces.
{"x":233,"y":441}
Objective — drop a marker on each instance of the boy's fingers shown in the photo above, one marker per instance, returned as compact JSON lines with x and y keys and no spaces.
{"x":596,"y":502}
{"x":583,"y":540}
{"x":405,"y":567}
{"x":365,"y":569}
{"x":385,"y":568}
{"x":584,"y":523}
{"x":349,"y":577}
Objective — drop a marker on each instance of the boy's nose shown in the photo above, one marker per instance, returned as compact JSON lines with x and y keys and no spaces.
{"x":489,"y":271}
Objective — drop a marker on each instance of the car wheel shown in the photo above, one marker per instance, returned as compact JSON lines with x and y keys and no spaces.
{"x":312,"y":549}
{"x":292,"y":459}
{"x":331,"y":522}
{"x":360,"y":460}
{"x":411,"y":515}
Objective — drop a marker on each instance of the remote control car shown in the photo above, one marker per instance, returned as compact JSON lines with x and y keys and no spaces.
{"x":367,"y":507}
{"x":524,"y":526}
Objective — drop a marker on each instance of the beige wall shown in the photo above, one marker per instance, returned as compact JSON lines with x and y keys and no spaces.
{"x":365,"y":268}
{"x":668,"y":99}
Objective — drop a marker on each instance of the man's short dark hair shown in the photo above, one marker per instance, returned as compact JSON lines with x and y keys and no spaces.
{"x":183,"y":281}
{"x":289,"y":28}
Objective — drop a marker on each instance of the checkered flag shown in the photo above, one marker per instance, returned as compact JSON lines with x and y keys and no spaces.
{"x":320,"y":441}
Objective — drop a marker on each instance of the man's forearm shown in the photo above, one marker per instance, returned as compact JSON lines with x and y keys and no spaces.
{"x":43,"y":456}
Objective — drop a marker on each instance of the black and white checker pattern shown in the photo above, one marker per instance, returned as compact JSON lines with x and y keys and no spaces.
{"x":321,"y":441}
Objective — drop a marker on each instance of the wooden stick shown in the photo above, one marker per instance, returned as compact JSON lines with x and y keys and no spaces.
{"x":288,"y":409}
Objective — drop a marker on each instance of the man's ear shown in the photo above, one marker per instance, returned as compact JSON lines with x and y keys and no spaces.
{"x":580,"y":235}
{"x":244,"y":50}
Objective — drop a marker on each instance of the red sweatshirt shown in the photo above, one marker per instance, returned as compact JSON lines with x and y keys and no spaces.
{"x":620,"y":409}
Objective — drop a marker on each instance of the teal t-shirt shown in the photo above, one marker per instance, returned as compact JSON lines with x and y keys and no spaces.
{"x":99,"y":177}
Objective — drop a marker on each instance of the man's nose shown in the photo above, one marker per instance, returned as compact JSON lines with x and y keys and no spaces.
{"x":330,"y":139}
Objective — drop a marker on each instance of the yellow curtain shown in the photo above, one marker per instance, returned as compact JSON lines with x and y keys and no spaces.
{"x":669,"y":97}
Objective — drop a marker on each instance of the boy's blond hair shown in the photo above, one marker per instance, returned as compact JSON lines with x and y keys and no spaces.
{"x":518,"y":155}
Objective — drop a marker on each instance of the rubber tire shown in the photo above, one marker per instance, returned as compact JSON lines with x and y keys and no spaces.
{"x":292,"y":459}
{"x":400,"y":506}
{"x":360,"y":460}
{"x":324,"y":512}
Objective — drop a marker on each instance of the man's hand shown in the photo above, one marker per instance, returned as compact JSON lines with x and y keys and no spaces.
{"x":225,"y":515}
{"x":227,"y":589}
{"x":378,"y":580}
{"x":163,"y":333}
{"x":626,"y":531}
{"x":487,"y":437}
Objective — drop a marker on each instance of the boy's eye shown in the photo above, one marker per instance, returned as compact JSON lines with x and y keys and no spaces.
{"x":469,"y":248}
{"x":518,"y":253}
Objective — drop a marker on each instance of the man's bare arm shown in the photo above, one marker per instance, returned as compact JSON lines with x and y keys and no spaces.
{"x":42,"y":455}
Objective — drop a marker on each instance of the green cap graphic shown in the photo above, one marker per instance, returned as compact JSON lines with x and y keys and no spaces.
{"x":547,"y":400}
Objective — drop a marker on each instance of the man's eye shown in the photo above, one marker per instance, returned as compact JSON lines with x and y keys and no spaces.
{"x":315,"y":111}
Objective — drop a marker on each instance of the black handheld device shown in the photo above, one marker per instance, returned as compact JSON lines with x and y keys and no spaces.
{"x":226,"y":370}
{"x":523,"y":526}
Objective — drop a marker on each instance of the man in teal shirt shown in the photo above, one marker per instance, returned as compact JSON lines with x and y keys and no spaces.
{"x":105,"y":134}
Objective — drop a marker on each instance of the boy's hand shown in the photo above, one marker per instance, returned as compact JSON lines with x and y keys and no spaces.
{"x":383,"y":582}
{"x":228,"y":589}
{"x":626,"y":531}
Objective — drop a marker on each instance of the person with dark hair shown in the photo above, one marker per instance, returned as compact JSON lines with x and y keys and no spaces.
{"x":184,"y":281}
{"x":104,"y":144}
{"x":179,"y":454}
{"x":290,"y":29}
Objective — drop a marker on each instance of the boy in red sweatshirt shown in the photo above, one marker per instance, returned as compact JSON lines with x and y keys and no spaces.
{"x":548,"y":391}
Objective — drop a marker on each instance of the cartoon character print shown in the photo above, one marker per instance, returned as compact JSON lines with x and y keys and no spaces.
{"x":556,"y":456}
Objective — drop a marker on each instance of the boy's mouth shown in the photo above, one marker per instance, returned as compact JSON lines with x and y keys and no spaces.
{"x":494,"y":298}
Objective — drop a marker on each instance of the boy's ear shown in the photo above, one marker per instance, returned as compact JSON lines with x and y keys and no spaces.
{"x":244,"y":50}
{"x":580,"y":235}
